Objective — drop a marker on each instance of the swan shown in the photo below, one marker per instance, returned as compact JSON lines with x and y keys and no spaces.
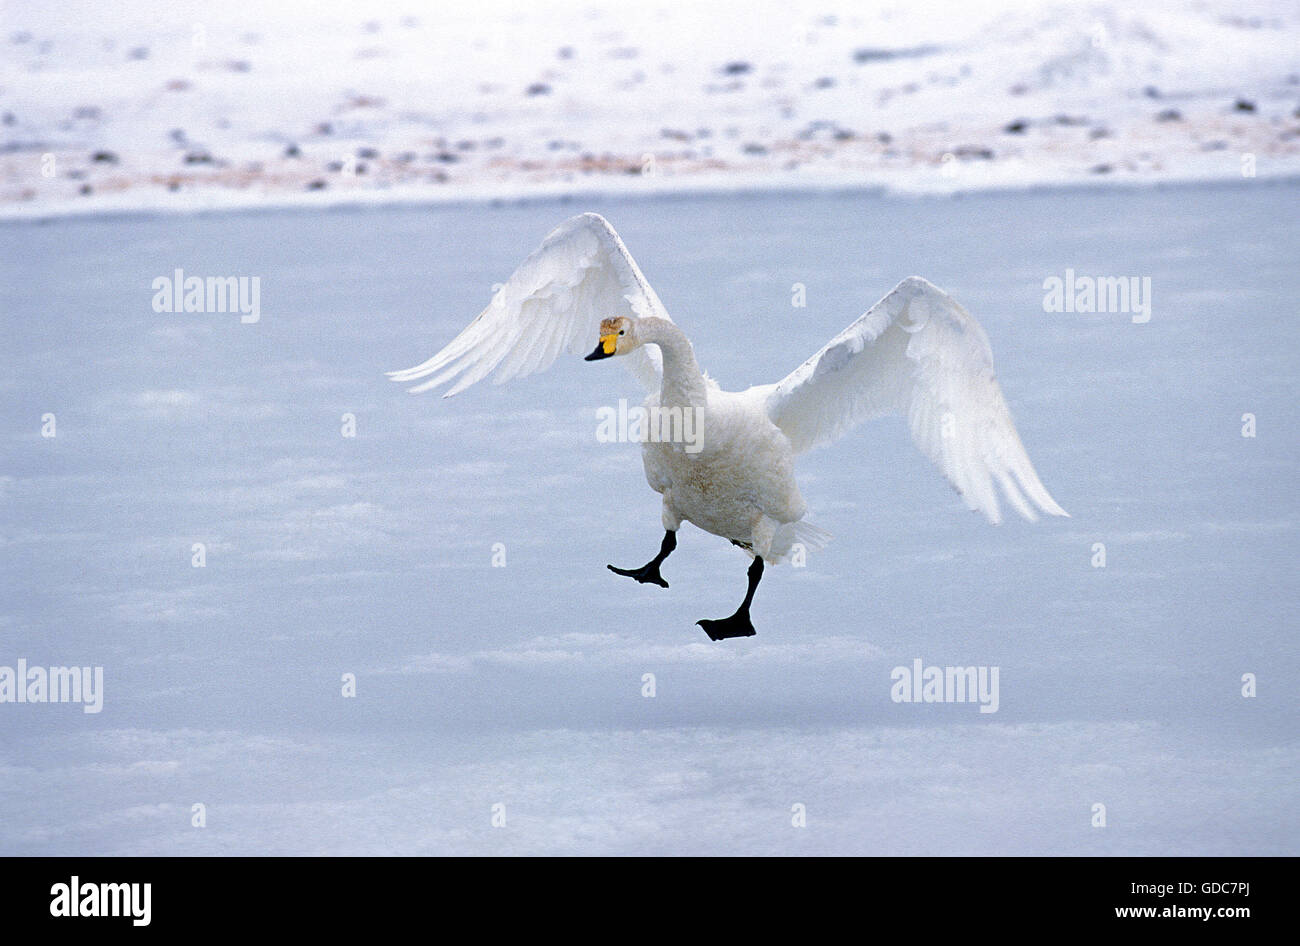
{"x":915,"y":352}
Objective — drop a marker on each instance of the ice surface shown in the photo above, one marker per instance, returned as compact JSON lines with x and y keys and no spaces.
{"x":522,"y":685}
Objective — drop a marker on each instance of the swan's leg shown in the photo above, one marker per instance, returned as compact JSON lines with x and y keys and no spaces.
{"x":739,"y":624}
{"x":649,"y":572}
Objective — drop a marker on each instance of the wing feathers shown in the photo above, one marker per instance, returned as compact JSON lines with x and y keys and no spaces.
{"x":920,"y":354}
{"x":552,"y":303}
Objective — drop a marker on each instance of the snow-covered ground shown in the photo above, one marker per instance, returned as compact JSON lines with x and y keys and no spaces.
{"x":174,"y":104}
{"x":522,"y":686}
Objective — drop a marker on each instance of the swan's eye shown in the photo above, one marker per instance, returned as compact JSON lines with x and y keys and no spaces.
{"x":620,"y":331}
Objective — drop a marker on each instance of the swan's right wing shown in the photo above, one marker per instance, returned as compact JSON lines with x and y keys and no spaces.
{"x":553,"y":302}
{"x":918,"y":353}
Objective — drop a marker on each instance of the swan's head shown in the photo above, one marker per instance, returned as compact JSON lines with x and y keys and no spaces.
{"x":617,"y":337}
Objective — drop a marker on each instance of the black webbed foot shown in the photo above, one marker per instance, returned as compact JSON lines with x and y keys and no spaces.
{"x":647,"y":574}
{"x":738,"y":625}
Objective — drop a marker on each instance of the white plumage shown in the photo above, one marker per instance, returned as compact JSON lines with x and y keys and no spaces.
{"x":915,"y":352}
{"x":552,"y":303}
{"x":918,"y":353}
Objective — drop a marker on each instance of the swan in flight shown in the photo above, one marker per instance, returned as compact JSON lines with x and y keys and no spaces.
{"x":915,"y":352}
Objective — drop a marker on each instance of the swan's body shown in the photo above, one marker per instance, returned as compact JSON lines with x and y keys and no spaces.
{"x":741,"y":480}
{"x":915,"y":352}
{"x":745,"y":470}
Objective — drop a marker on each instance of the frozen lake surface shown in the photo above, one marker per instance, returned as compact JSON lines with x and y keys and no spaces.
{"x":522,"y":685}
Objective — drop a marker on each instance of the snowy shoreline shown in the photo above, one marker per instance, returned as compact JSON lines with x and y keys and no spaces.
{"x":177,"y":107}
{"x":416,"y":198}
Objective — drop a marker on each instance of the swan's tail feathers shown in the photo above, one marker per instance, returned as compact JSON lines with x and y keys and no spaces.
{"x":795,"y":540}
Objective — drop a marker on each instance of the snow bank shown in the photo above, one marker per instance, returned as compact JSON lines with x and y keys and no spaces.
{"x":181,"y":106}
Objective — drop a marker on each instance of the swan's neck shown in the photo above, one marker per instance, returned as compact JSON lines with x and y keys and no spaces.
{"x":683,"y":382}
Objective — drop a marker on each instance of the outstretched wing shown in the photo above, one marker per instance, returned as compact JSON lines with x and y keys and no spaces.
{"x":554,"y":302}
{"x":918,"y":353}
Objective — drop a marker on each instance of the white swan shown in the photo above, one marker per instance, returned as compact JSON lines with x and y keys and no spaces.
{"x":915,"y":352}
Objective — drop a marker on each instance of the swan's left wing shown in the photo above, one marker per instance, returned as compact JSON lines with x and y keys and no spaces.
{"x":918,"y":353}
{"x":553,"y":302}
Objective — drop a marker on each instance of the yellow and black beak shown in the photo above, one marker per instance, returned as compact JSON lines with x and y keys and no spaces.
{"x":604,"y":348}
